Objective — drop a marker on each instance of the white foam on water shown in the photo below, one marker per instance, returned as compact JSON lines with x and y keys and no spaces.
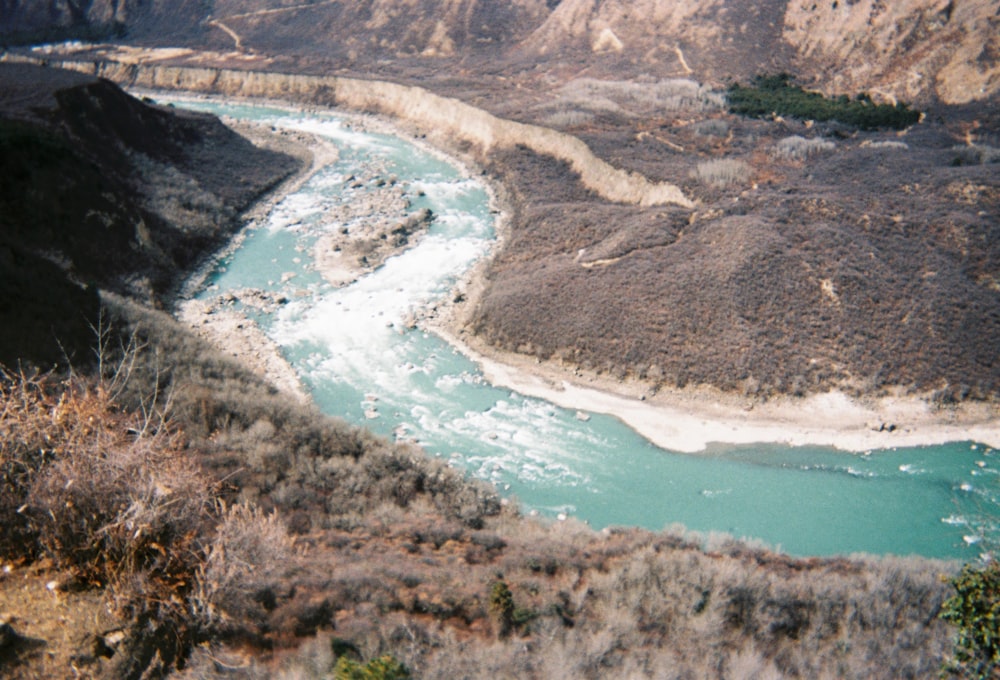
{"x":338,"y":131}
{"x":445,"y":191}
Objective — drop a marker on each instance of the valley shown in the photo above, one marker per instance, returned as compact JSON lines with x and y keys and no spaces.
{"x":706,"y":275}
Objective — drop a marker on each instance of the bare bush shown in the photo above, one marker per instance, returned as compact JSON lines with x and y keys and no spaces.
{"x":111,"y":503}
{"x":723,"y":172}
{"x":249,"y":554}
{"x":711,"y":127}
{"x":796,"y":148}
{"x":886,"y":144}
{"x":975,"y":154}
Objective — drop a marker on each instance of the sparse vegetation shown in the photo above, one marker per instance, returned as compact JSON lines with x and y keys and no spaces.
{"x":582,"y":100}
{"x":569,"y":118}
{"x":975,"y":154}
{"x":741,"y":270}
{"x":285,"y":524}
{"x":722,"y":172}
{"x":799,"y":148}
{"x":887,"y":144}
{"x":712,"y":127}
{"x":778,"y":95}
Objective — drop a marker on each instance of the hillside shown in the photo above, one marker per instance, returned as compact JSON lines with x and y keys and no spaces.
{"x":918,"y":50}
{"x":103,"y":191}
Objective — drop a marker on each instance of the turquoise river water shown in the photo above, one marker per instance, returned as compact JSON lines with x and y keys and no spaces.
{"x":352,"y":350}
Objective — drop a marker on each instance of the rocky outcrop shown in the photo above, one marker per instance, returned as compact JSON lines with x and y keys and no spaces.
{"x":638,"y":26}
{"x":439,"y":115}
{"x":904,"y":49}
{"x":911,"y":49}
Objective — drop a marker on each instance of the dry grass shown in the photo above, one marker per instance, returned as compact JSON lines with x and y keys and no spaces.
{"x":581,"y":101}
{"x":723,"y":172}
{"x":796,"y":148}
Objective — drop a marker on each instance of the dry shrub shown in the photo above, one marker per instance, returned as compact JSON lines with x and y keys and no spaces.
{"x":888,"y":144}
{"x":109,"y":499}
{"x":95,"y":493}
{"x":723,"y":171}
{"x":711,"y":127}
{"x":796,"y":148}
{"x":637,"y":98}
{"x":568,"y":118}
{"x":120,"y":507}
{"x":28,"y":434}
{"x":247,"y":558}
{"x":975,"y":154}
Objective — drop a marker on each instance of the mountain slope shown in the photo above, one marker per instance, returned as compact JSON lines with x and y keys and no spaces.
{"x":913,"y":50}
{"x":103,"y":191}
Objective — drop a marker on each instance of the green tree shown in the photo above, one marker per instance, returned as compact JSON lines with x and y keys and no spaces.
{"x":385,"y":667}
{"x":502,"y":606}
{"x":975,"y":610}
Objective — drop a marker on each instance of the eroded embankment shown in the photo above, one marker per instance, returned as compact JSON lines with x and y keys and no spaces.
{"x":415,"y":105}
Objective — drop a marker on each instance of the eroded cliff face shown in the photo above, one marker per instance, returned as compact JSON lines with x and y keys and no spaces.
{"x":911,"y":49}
{"x":905,"y":49}
{"x":713,"y":39}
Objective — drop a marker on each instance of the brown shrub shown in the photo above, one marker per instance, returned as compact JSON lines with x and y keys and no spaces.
{"x":96,"y":494}
{"x":236,"y":583}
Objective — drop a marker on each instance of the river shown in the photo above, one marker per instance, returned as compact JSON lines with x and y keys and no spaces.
{"x":358,"y":356}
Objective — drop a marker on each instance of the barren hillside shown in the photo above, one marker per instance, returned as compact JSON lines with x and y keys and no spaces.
{"x":914,"y":50}
{"x":101,"y":190}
